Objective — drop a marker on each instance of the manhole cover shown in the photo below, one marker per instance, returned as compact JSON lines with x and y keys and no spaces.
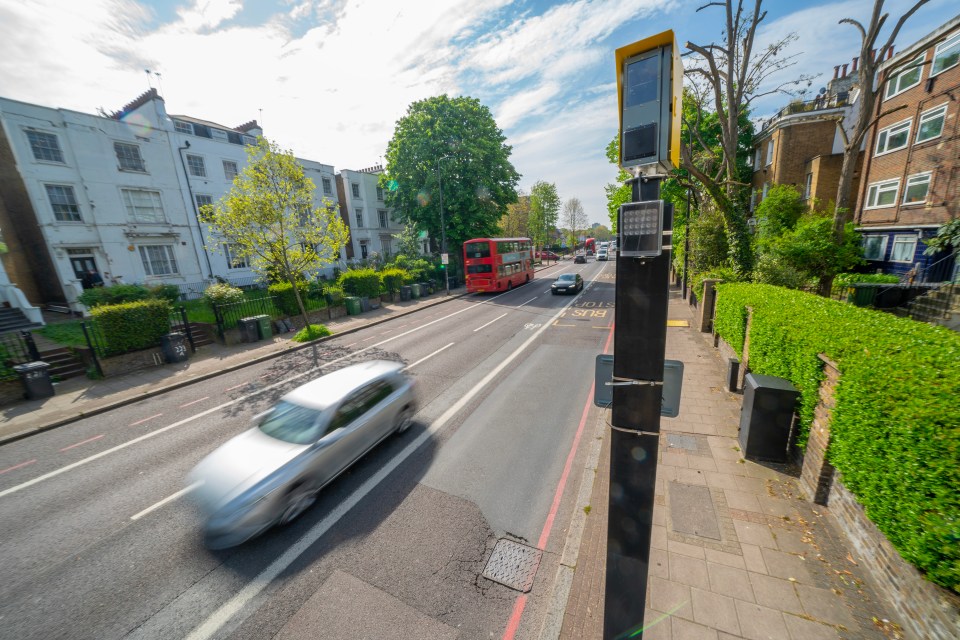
{"x":513,"y":564}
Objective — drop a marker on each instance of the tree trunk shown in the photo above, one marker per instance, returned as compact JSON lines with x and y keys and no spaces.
{"x":303,"y":309}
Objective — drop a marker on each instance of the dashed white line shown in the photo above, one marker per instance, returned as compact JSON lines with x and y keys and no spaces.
{"x":166,"y":500}
{"x":410,"y":366}
{"x":133,"y":424}
{"x":80,"y":443}
{"x":488,"y":324}
{"x":529,"y":301}
{"x":196,"y":401}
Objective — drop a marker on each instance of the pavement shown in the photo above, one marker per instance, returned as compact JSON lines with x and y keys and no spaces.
{"x":736,"y":551}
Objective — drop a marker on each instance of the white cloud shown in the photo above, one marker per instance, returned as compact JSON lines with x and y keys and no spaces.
{"x":208,"y":14}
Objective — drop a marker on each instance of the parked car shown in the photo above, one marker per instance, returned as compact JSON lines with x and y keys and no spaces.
{"x":547,"y":255}
{"x":580,"y":259}
{"x":273,"y":472}
{"x":602,"y":254}
{"x":567,"y":283}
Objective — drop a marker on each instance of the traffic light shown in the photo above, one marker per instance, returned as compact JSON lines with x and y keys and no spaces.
{"x":649,"y":95}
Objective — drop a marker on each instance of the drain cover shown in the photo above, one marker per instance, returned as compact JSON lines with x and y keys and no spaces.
{"x":513,"y":564}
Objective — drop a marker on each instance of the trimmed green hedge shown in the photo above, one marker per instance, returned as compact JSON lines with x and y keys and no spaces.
{"x":895,"y":431}
{"x":360,"y":282}
{"x":132,"y":325}
{"x":393,"y":278}
{"x":285,"y":299}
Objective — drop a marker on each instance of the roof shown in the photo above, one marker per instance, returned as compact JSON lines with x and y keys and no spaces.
{"x":330,"y":389}
{"x":908,"y":53}
{"x":206,"y":123}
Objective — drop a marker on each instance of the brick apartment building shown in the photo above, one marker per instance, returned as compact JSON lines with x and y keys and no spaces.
{"x":912,"y":169}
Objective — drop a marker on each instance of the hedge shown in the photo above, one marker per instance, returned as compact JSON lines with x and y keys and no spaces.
{"x":393,"y":278}
{"x":132,"y":325}
{"x":360,"y":282}
{"x":285,"y":299}
{"x":895,"y":430}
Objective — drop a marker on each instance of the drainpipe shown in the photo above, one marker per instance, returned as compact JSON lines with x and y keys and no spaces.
{"x":193,"y":203}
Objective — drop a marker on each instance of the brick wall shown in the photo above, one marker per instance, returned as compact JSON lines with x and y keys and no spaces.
{"x":924,"y":609}
{"x":119,"y":365}
{"x":817,"y":474}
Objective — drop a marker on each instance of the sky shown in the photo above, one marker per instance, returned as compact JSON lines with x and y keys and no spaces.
{"x":329,"y":79}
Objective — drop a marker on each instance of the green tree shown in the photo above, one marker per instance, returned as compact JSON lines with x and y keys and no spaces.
{"x":574,"y":220}
{"x":544,"y":210}
{"x":618,"y":192}
{"x":948,"y":235}
{"x":514,"y":224}
{"x":453,"y":144}
{"x":408,"y":242}
{"x":269,"y":216}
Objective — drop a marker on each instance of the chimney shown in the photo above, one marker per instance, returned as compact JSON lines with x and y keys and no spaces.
{"x":836,"y":72}
{"x":845,"y":71}
{"x":890,"y":52}
{"x":856,"y":62}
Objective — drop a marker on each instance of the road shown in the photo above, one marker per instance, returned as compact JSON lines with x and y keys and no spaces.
{"x":102,"y":541}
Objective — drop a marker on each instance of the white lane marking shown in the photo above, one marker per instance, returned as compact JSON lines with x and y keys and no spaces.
{"x":195,"y":402}
{"x":82,"y":442}
{"x":234,"y":605}
{"x":411,"y":366}
{"x":529,"y":301}
{"x":229,"y":403}
{"x":156,"y":506}
{"x":133,"y":424}
{"x":488,"y":324}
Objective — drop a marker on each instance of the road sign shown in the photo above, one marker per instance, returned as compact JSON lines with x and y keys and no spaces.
{"x":444,"y":258}
{"x":672,"y":385}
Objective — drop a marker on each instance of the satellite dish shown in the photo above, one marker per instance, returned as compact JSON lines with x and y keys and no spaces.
{"x":823,"y":90}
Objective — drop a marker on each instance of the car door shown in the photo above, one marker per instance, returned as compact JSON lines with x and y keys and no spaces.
{"x":345,"y":438}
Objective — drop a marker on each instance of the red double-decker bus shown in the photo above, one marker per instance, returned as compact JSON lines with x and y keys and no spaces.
{"x":497,"y":264}
{"x":590,"y":246}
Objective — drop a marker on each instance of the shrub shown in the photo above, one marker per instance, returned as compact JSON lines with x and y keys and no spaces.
{"x":223,"y":293}
{"x":117,"y":294}
{"x":333,"y":295}
{"x":360,"y":282}
{"x":311,"y":332}
{"x":844,"y":280}
{"x":132,"y":325}
{"x":391,"y":279}
{"x":895,"y":429}
{"x":168,"y":292}
{"x":285,"y":299}
{"x":727,"y":274}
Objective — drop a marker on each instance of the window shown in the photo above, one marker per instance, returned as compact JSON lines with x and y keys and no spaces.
{"x":355,"y":190}
{"x":235,"y":261}
{"x":327,"y":187}
{"x":158,"y":260}
{"x":386,"y":246}
{"x":230,"y":170}
{"x":64,"y":203}
{"x":903,"y":80}
{"x":363,"y":250}
{"x":893,"y":137}
{"x":183,"y":127}
{"x":808,"y":188}
{"x":196,"y":166}
{"x":203,"y":200}
{"x":874,"y":247}
{"x":904,"y":248}
{"x":380,"y":194}
{"x":930,"y":125}
{"x":757,"y":159}
{"x":219,"y":134}
{"x":128,"y":155}
{"x":946,"y":55}
{"x":382,"y":214}
{"x":143,"y":205}
{"x":917,"y":188}
{"x":45,"y":146}
{"x":766,"y":188}
{"x":882,"y":194}
{"x":770,"y":153}
{"x":359,"y":213}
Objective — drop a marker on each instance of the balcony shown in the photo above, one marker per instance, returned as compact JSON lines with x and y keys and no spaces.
{"x":820,"y":103}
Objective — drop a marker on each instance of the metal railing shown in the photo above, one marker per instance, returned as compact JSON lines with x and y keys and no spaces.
{"x":819,"y":103}
{"x":180,"y":323}
{"x":228,"y":315}
{"x":15,"y":348}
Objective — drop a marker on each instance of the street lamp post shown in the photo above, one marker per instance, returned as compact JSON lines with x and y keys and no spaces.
{"x":443,"y":226}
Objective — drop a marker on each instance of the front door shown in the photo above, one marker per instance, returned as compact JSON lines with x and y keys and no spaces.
{"x":82,"y":266}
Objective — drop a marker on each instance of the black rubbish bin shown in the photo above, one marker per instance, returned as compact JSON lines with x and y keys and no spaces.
{"x":174,"y":347}
{"x":264,"y":330}
{"x":766,"y":417}
{"x":35,"y":377}
{"x":365,"y":304}
{"x":406,"y":292}
{"x":249,"y":332}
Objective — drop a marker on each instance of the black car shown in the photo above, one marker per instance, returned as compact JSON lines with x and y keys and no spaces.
{"x":580,"y":259}
{"x":567,"y":283}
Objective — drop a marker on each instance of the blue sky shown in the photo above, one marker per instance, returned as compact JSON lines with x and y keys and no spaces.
{"x":329,"y":78}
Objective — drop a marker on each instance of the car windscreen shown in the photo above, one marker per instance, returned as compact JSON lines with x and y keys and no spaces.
{"x":293,"y":423}
{"x":567,"y":277}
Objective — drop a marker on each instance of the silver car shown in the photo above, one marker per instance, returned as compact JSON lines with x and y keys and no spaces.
{"x":270,"y":474}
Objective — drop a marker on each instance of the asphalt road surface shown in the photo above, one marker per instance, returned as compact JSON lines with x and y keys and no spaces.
{"x":100,"y":539}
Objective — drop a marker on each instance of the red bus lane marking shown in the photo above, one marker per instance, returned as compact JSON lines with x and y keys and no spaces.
{"x":133,"y":424}
{"x":514,"y":623}
{"x":235,"y":387}
{"x":17,"y":466}
{"x":80,"y":443}
{"x":195,"y":401}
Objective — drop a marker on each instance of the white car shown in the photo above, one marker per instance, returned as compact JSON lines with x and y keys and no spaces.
{"x":273,"y":472}
{"x":602,"y":254}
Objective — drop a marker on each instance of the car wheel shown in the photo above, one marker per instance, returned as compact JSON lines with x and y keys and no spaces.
{"x":299,"y":499}
{"x":404,"y":420}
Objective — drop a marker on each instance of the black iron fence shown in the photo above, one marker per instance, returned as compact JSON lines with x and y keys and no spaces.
{"x":16,"y":348}
{"x":228,"y":315}
{"x":179,"y":323}
{"x":100,"y":346}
